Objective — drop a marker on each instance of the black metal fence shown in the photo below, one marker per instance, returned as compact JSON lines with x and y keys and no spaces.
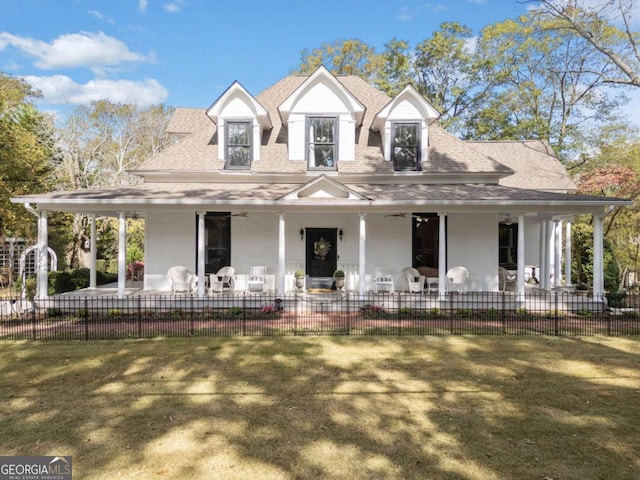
{"x":251,"y":314}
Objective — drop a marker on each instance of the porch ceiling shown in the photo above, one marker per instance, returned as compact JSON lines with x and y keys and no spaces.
{"x":273,"y":197}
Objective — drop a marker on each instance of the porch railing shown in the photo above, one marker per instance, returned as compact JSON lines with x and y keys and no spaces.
{"x":259,"y":314}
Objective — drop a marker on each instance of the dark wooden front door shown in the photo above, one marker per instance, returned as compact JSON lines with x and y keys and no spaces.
{"x":322,"y":252}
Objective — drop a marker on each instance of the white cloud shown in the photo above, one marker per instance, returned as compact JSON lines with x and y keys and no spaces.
{"x":142,"y":5}
{"x":174,"y":7}
{"x":92,"y":50}
{"x":62,"y":90}
{"x":101,"y":16}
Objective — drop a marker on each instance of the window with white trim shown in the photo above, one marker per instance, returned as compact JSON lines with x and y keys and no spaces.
{"x":322,"y":143}
{"x":405,"y":146}
{"x":238,"y":145}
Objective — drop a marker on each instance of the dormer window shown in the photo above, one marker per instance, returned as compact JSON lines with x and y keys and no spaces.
{"x":239,"y":146}
{"x":405,"y":148}
{"x":322,"y":137}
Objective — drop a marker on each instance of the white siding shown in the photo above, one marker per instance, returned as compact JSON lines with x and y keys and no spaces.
{"x":473,"y":244}
{"x":170,"y":240}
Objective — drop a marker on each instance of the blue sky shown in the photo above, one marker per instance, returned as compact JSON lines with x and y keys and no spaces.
{"x":187,"y":52}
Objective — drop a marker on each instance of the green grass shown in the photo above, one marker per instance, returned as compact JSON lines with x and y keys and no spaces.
{"x":458,"y":408}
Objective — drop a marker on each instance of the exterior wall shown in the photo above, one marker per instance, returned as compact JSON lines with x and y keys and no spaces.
{"x":170,"y":239}
{"x":473,"y":243}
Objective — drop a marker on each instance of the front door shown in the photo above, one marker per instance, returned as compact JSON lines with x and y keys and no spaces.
{"x":321,"y":252}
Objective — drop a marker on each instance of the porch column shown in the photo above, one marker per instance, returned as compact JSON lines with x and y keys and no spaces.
{"x":598,"y":270}
{"x":557,"y":262}
{"x":122,"y":254}
{"x":541,"y":269}
{"x":442,"y":254}
{"x":92,"y":253}
{"x":362,"y":255}
{"x":520,"y":272}
{"x":42,"y":281}
{"x":201,"y":250}
{"x":567,"y":254}
{"x":281,"y":254}
{"x":549,"y":243}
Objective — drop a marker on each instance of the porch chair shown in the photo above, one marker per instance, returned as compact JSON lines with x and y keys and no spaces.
{"x":257,"y":278}
{"x":414,"y":279}
{"x":182,"y":280}
{"x":457,"y":278}
{"x":506,"y":279}
{"x":382,"y":278}
{"x":222,"y":280}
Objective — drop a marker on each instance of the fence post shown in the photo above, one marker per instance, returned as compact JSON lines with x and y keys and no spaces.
{"x":244,"y":314}
{"x":139,"y":308}
{"x":451,"y":313}
{"x":33,"y":319}
{"x":503,"y":319}
{"x":607,"y":314}
{"x":85,"y":315}
{"x":348,"y":312}
{"x":191,"y":312}
{"x":555,"y":315}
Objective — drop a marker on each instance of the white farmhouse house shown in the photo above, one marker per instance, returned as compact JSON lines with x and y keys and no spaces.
{"x":321,"y":172}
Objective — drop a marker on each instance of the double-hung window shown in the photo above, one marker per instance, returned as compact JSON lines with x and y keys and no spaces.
{"x":238,"y":145}
{"x":405,"y":147}
{"x":322,"y":144}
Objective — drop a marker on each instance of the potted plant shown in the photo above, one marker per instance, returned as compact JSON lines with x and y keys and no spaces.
{"x":299,"y":275}
{"x":582,"y":289}
{"x":338,"y":277}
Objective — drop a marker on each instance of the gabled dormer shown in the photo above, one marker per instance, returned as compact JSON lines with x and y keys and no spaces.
{"x":404,"y":128}
{"x":241,"y":120}
{"x":321,"y":116}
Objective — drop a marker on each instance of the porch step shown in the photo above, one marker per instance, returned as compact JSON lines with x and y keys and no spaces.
{"x":320,"y":282}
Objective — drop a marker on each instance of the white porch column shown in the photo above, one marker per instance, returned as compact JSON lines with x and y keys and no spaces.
{"x":362,"y":255}
{"x":541,"y":269}
{"x":567,"y":254}
{"x":42,"y":281}
{"x":520,"y":273}
{"x":281,"y":254}
{"x":547,"y":263}
{"x":557,"y":251}
{"x":442,"y":254}
{"x":598,"y":268}
{"x":201,"y":249}
{"x":92,"y":253}
{"x":122,"y":254}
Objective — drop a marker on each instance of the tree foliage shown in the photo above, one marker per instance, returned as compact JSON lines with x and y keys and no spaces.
{"x":26,"y":150}
{"x":605,"y":25}
{"x":98,"y":144}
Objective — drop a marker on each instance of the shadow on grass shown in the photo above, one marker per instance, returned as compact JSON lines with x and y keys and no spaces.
{"x":327,"y":407}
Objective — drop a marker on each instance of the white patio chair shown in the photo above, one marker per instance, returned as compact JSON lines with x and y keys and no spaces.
{"x":457,"y":278}
{"x":414,"y":279}
{"x":382,"y":279}
{"x":257,"y":278}
{"x":222,"y":280}
{"x":182,"y":280}
{"x":506,"y":279}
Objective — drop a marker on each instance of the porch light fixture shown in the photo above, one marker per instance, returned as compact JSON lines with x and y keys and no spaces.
{"x":301,"y":234}
{"x":340,"y":233}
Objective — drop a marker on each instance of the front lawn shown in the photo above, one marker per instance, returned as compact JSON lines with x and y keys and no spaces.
{"x":445,"y":407}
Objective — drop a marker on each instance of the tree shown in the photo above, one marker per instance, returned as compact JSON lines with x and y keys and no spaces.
{"x":99,"y":143}
{"x":546,"y":86}
{"x":595,"y":22}
{"x":26,"y":148}
{"x":341,"y":57}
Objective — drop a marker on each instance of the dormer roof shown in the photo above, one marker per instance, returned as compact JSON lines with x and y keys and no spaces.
{"x":237,"y":99}
{"x":322,"y":78}
{"x":412,"y":97}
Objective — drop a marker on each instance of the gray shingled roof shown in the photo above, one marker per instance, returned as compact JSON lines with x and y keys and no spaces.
{"x":199,"y":150}
{"x":533,"y":161}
